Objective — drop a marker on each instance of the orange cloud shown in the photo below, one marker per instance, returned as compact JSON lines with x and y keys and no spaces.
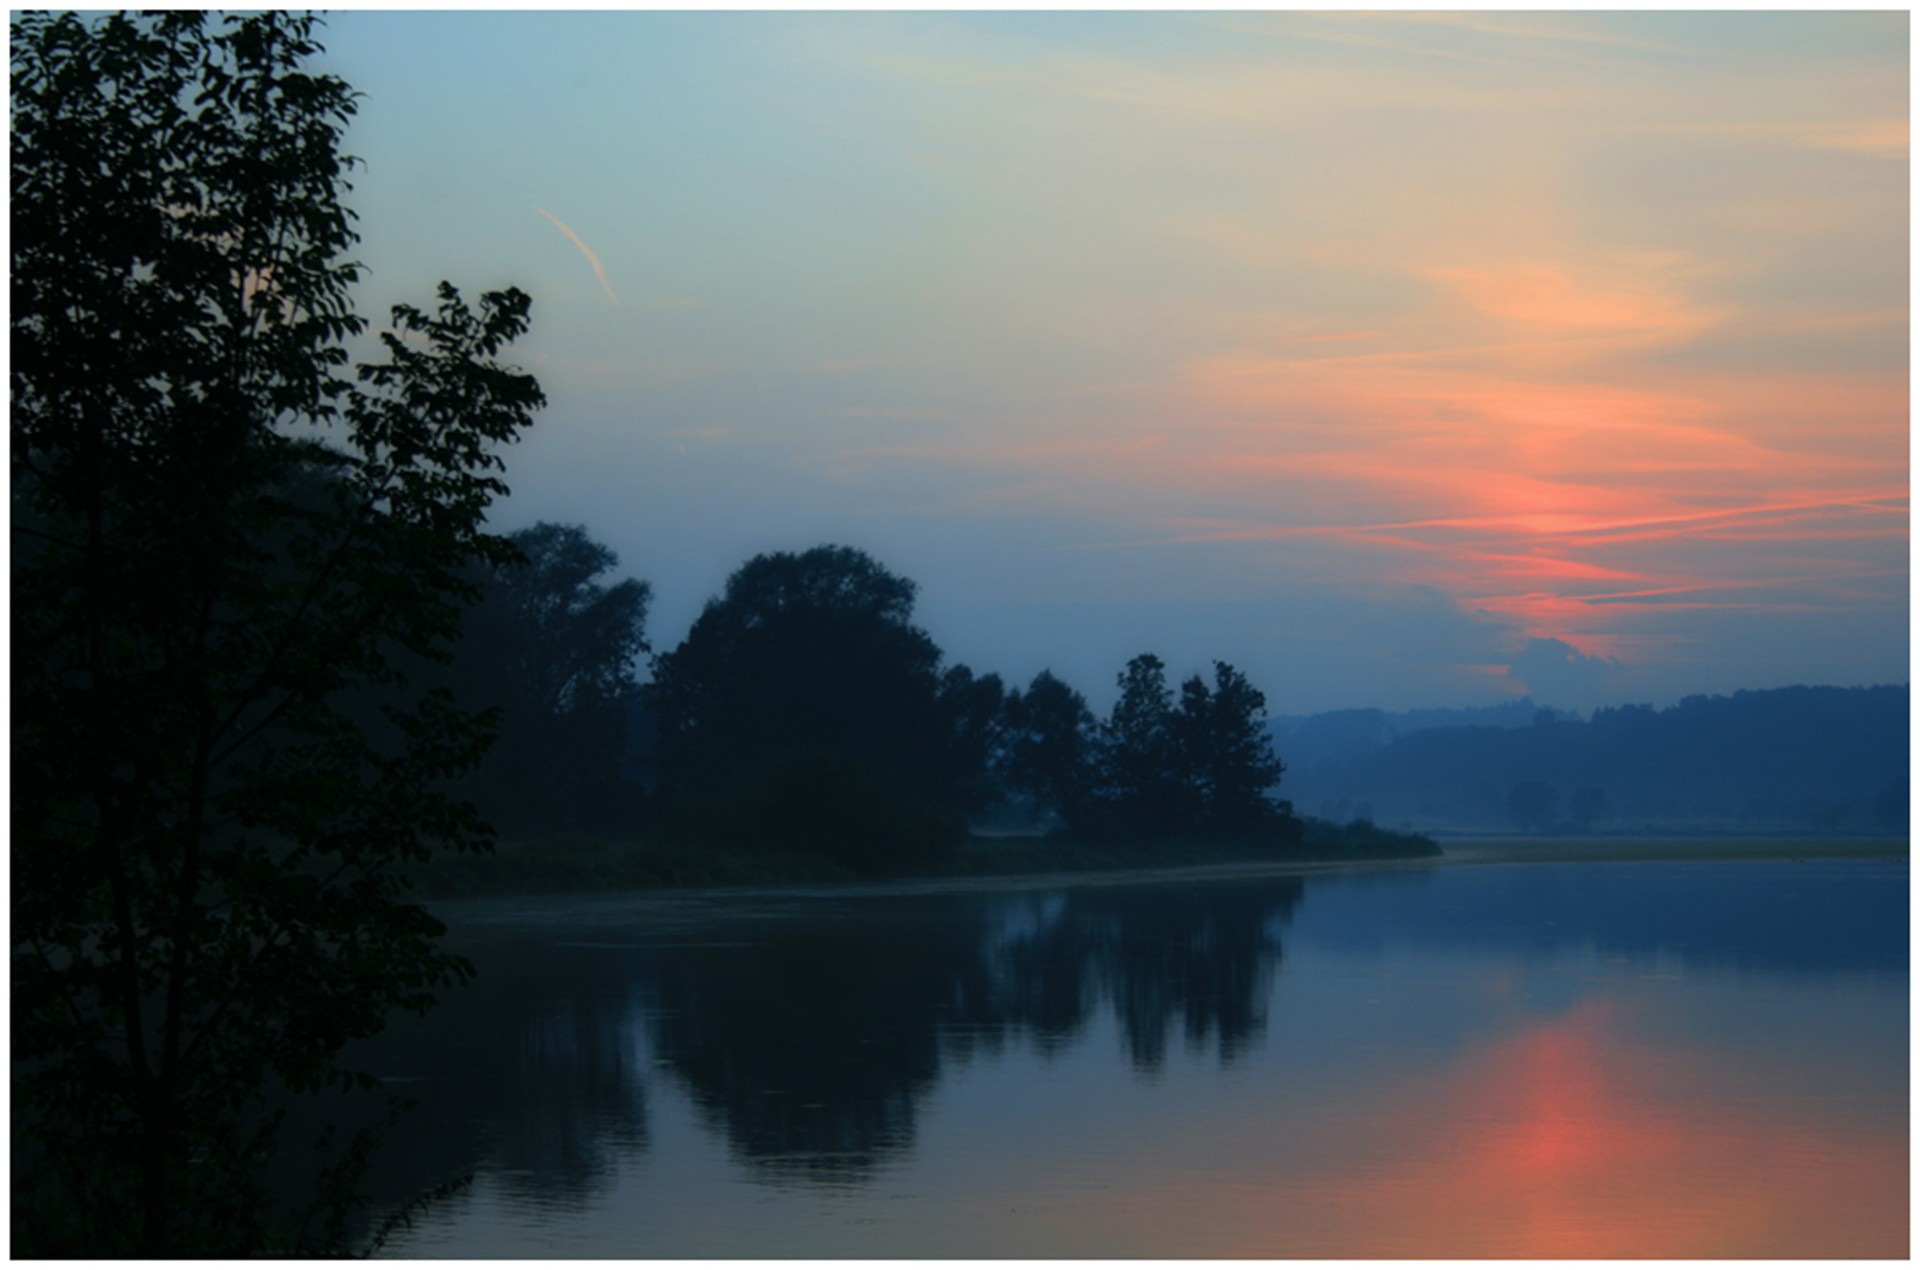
{"x":1640,"y":301}
{"x":1883,"y":138}
{"x":1524,"y":428}
{"x":1530,"y":480}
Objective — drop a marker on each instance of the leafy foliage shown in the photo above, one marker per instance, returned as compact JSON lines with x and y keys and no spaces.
{"x":1227,"y":754}
{"x":226,"y":547}
{"x":1201,"y":768}
{"x":811,"y":660}
{"x":975,"y":710}
{"x":1144,"y":790}
{"x":554,"y":650}
{"x":1047,"y":752}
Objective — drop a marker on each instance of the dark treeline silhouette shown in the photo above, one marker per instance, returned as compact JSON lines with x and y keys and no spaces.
{"x":1786,"y":759}
{"x":553,"y":649}
{"x":804,"y":711}
{"x":1313,"y":742}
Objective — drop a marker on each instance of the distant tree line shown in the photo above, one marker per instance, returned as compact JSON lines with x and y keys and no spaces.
{"x":1794,"y":759}
{"x":805,"y":711}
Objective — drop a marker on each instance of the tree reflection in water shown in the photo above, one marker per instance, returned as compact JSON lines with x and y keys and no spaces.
{"x":809,"y":1042}
{"x":807,"y":1032}
{"x":1199,"y":958}
{"x":812,"y":1048}
{"x":532,"y":1074}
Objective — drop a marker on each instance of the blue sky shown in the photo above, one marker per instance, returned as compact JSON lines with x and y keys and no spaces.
{"x":1399,"y":359}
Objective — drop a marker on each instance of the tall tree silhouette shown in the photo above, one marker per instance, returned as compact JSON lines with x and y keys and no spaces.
{"x":804,"y":708}
{"x":975,"y":708}
{"x":1144,"y":782}
{"x":1227,"y":754}
{"x":554,"y":648}
{"x":1047,"y":754}
{"x":1203,"y":768}
{"x":225,"y":547}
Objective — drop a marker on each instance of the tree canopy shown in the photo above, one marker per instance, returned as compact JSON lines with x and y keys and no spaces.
{"x":555,"y":650}
{"x":1047,"y":752}
{"x":1227,"y":754}
{"x":805,"y":685}
{"x":1200,"y":767}
{"x":228,"y":547}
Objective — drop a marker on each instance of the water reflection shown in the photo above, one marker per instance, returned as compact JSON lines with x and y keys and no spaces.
{"x":1477,"y":1062}
{"x":811,"y":1046}
{"x":805,"y":1049}
{"x":1774,"y":916}
{"x":1565,"y":1138}
{"x":532,"y":1073}
{"x":807,"y":1036}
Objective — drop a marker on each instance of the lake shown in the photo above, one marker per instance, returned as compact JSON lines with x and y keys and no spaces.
{"x":1641,"y":1058}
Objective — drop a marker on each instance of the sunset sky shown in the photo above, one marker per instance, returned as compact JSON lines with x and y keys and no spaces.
{"x":1402,"y":359}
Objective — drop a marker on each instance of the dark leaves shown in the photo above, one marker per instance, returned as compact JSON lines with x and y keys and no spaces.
{"x":230,"y":554}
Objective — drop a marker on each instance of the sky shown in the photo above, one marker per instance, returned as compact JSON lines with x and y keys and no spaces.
{"x":1400,"y":360}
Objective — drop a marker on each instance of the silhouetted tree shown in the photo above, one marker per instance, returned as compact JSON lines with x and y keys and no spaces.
{"x":1202,"y":769}
{"x":807,"y":670}
{"x":1226,"y":753}
{"x":224,"y":548}
{"x":554,"y":649}
{"x":1048,"y":751}
{"x":1144,"y":783}
{"x":975,"y":706}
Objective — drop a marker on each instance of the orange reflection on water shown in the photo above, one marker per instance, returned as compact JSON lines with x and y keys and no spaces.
{"x":1566,"y":1141}
{"x":1563,"y":1140}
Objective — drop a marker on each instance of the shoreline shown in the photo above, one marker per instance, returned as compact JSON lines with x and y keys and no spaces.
{"x":1460,"y":852}
{"x":1475,"y":851}
{"x":1547,"y":850}
{"x":578,"y":864}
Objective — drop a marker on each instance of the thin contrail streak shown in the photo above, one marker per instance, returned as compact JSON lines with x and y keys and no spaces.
{"x":585,"y":250}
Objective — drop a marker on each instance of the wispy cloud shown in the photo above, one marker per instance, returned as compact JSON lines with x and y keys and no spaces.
{"x":1883,"y":138}
{"x":598,"y":270}
{"x":1550,"y":29}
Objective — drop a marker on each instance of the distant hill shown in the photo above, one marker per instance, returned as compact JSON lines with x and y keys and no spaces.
{"x":1780,"y":760}
{"x":1339,"y":736}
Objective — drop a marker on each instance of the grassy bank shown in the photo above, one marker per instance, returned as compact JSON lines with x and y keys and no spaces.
{"x":535,"y":866}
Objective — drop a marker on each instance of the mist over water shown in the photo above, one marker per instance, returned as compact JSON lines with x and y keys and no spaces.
{"x":1658,"y":1058}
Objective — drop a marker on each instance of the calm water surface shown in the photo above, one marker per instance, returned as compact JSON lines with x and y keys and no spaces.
{"x":1654,"y":1058}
